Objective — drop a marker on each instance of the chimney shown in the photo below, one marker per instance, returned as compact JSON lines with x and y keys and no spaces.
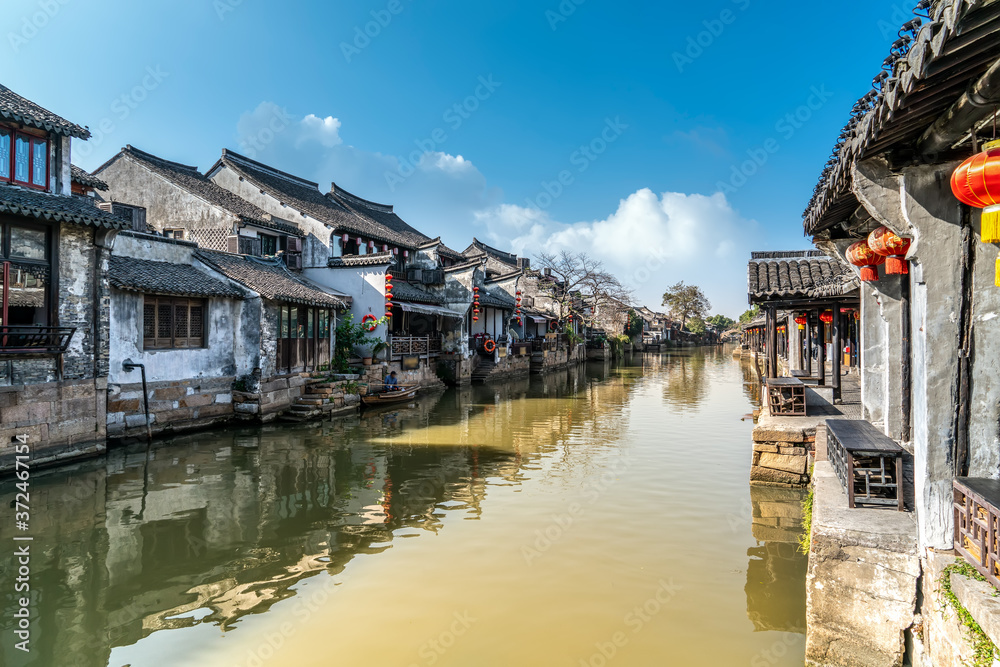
{"x":523,"y":263}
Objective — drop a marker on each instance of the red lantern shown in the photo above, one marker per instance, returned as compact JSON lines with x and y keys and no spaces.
{"x":859,"y":254}
{"x":883,"y":241}
{"x":475,"y":289}
{"x":976,"y":182}
{"x":801,"y":320}
{"x":826,"y":316}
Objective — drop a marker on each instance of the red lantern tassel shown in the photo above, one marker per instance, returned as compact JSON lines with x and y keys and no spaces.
{"x":869,"y":274}
{"x":996,"y":281}
{"x":896,"y":266}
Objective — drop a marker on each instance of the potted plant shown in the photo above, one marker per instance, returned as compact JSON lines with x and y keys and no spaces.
{"x":380,"y":351}
{"x":353,"y":338}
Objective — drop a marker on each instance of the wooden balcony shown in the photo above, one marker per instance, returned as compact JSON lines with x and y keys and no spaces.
{"x":977,"y":524}
{"x":32,"y":340}
{"x":404,"y":346}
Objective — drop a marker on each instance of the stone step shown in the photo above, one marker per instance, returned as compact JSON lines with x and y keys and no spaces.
{"x":310,"y":401}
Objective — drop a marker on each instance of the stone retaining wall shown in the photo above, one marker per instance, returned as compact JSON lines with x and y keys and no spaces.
{"x":508,"y":367}
{"x":783,"y":452}
{"x":274,"y":396}
{"x":173,"y":406}
{"x":62,"y":420}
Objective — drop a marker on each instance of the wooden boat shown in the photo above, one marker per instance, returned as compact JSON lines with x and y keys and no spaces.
{"x":389,"y":397}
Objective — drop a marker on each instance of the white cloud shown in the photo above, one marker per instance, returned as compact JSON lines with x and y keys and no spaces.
{"x":649,"y":242}
{"x":325,"y":131}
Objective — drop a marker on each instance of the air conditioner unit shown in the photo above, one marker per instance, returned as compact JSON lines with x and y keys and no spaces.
{"x":233,"y":244}
{"x":135,"y":215}
{"x":416,"y":275}
{"x":435,"y":277}
{"x":293,"y":261}
{"x":294,"y":244}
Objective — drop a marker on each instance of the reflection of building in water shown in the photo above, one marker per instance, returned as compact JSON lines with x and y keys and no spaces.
{"x":213,"y":526}
{"x":776,"y":598}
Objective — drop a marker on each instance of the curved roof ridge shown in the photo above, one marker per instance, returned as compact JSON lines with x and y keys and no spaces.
{"x":338,"y":191}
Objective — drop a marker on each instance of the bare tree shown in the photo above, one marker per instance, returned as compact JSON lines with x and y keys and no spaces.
{"x":580,"y":277}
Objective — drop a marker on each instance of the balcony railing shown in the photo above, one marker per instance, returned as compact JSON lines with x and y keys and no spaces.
{"x":977,"y":524}
{"x":410,"y":345}
{"x":34,"y":340}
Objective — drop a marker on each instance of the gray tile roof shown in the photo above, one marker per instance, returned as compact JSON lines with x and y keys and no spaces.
{"x":374,"y":259}
{"x":935,"y":66}
{"x":86,"y":178}
{"x":496,"y":299}
{"x":407,"y":292}
{"x":20,"y":110}
{"x":271,"y":279}
{"x":478,"y":248}
{"x":806,"y":277}
{"x":57,"y":208}
{"x":362,"y":218}
{"x":149,"y":277}
{"x":193,"y":181}
{"x":381,"y":214}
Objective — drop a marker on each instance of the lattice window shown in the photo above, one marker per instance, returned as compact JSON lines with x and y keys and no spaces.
{"x":212,"y":239}
{"x":173,"y":323}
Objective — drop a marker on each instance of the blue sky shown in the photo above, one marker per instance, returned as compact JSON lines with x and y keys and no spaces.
{"x":617,"y":129}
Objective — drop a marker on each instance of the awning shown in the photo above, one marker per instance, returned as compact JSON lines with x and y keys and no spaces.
{"x":539,"y":320}
{"x":427,"y":309}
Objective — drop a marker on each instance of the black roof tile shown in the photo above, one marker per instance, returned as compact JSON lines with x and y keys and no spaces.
{"x":802,"y":277}
{"x":86,"y":178}
{"x":193,"y":181}
{"x":149,"y":277}
{"x":57,"y":208}
{"x":269,"y":278}
{"x":15,"y":108}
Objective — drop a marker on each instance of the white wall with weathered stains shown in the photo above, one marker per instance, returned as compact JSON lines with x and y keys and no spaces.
{"x":233,"y":326}
{"x":365,"y":285}
{"x":315,"y":246}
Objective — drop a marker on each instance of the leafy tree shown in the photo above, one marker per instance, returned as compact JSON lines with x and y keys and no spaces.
{"x":634,"y":326}
{"x":350,"y":335}
{"x":721,"y":321}
{"x":686,"y":302}
{"x":750,"y":314}
{"x":696,"y":326}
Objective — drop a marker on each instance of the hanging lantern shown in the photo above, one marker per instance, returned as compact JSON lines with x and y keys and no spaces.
{"x":976,"y":182}
{"x":385,"y":247}
{"x":826,"y":316}
{"x":860,"y":255}
{"x":801,"y":320}
{"x":857,"y":315}
{"x":345,"y":238}
{"x":883,"y":241}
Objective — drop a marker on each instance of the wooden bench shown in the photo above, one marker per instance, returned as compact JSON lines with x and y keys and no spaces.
{"x":868,"y":463}
{"x":977,"y":524}
{"x":786,"y":396}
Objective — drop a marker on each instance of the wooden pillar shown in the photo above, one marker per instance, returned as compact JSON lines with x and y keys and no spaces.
{"x":772,"y":343}
{"x":835,"y":348}
{"x":809,"y":344}
{"x":821,"y":357}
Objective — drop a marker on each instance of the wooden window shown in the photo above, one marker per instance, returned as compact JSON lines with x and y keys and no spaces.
{"x":268,"y":245}
{"x":174,"y":233}
{"x":24,"y":159}
{"x":170,"y":323}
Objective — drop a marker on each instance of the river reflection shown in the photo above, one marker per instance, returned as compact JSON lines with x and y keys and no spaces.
{"x":151,"y":556}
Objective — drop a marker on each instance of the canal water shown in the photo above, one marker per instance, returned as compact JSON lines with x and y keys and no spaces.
{"x":597,"y":516}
